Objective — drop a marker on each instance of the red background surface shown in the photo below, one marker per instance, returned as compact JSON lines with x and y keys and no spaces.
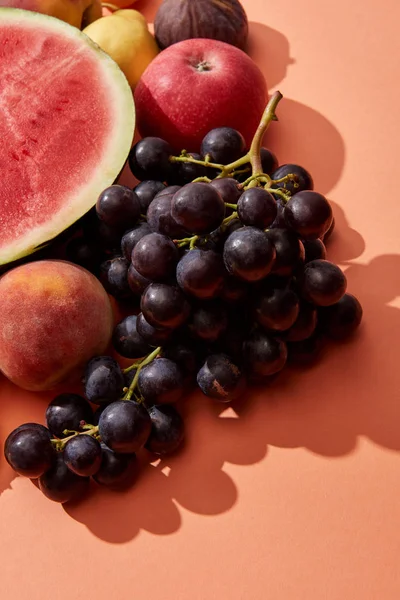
{"x":295,"y":495}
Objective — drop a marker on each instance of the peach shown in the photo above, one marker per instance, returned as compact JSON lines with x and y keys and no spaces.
{"x":54,"y":317}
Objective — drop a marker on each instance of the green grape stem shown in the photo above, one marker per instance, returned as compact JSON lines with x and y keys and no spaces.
{"x":60,"y":443}
{"x":252,"y":156}
{"x":139,"y":366}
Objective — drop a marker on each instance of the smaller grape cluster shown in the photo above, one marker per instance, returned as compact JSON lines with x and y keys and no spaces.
{"x":219,"y":257}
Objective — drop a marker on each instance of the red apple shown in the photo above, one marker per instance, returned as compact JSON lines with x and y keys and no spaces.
{"x":196,"y":85}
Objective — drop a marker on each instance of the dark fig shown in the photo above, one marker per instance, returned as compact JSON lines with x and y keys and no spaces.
{"x":223,"y":20}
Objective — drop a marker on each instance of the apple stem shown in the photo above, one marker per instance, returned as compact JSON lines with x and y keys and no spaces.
{"x":139,"y":366}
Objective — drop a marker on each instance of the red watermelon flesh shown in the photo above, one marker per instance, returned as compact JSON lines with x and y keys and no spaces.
{"x":66,"y":127}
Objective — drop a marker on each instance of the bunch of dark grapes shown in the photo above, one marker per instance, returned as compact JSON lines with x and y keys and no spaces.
{"x":227,"y":280}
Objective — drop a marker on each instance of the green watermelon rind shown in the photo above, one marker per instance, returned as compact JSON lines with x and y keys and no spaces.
{"x":118,"y":146}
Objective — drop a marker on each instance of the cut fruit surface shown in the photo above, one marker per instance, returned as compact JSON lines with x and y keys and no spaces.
{"x":67,"y":121}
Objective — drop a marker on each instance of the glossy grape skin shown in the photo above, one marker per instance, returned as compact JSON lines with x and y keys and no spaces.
{"x":309,"y":214}
{"x":314,"y":250}
{"x":124,"y":426}
{"x":263,"y":354}
{"x":340,"y":320}
{"x":289,"y":251}
{"x":149,"y":159}
{"x":29,"y":451}
{"x":103,"y":380}
{"x":279,"y":221}
{"x":118,"y":206}
{"x":161,"y":382}
{"x":220,"y":378}
{"x":131,"y":238}
{"x":322,"y":283}
{"x":185,"y":172}
{"x":37,"y":426}
{"x":82,"y":455}
{"x":127,"y":341}
{"x":85,"y":253}
{"x":155,"y":257}
{"x":269,"y":162}
{"x":60,"y":484}
{"x":200,"y":273}
{"x":276,"y":309}
{"x":198,"y":208}
{"x":164,"y":306}
{"x":160,"y":219}
{"x":114,"y":277}
{"x":208,"y":321}
{"x":137,"y":283}
{"x":305,"y":181}
{"x":146,"y":190}
{"x":167,"y":429}
{"x":257,"y":207}
{"x":248,"y":254}
{"x":223,"y":145}
{"x":67,"y":411}
{"x":168,"y":191}
{"x":327,"y":235}
{"x":115,"y":469}
{"x":228,"y":188}
{"x":304,"y":326}
{"x":153,"y":336}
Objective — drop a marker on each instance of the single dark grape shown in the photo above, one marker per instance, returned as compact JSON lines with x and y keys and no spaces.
{"x":136,"y":281}
{"x":127,"y":341}
{"x":149,"y":159}
{"x":155,"y":257}
{"x":276,"y":309}
{"x":159,"y":218}
{"x":167,"y":430}
{"x":220,"y":378}
{"x":304,"y":179}
{"x":186,"y":172}
{"x":103,"y":380}
{"x":223,"y":145}
{"x":131,"y":238}
{"x":82,"y":455}
{"x":124,"y":426}
{"x":67,"y":411}
{"x":60,"y":484}
{"x":228,"y":188}
{"x":29,"y":451}
{"x":115,"y":469}
{"x":85,"y":253}
{"x":146,"y":190}
{"x":340,"y":320}
{"x":305,"y":324}
{"x":263,"y":354}
{"x":164,"y":306}
{"x":305,"y":352}
{"x":322,"y":283}
{"x":200,"y":273}
{"x":208,"y":321}
{"x":234,"y":290}
{"x":269,"y":162}
{"x":257,"y":207}
{"x":248,"y":254}
{"x":328,"y":233}
{"x":118,"y":206}
{"x":314,"y":250}
{"x":309,"y":214}
{"x":114,"y":277}
{"x":289,"y":251}
{"x":160,"y":382}
{"x":198,"y":208}
{"x":153,"y":336}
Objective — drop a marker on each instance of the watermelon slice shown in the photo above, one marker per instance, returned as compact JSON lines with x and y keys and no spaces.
{"x":67,"y":121}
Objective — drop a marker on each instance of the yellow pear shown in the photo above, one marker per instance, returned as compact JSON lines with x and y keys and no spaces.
{"x":127,"y":40}
{"x":131,"y":15}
